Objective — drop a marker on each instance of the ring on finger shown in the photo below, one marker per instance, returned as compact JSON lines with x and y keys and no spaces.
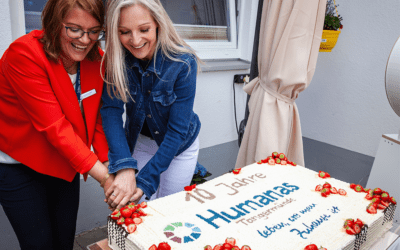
{"x":113,"y":194}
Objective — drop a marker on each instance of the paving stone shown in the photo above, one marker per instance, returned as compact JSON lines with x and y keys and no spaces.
{"x":88,"y":238}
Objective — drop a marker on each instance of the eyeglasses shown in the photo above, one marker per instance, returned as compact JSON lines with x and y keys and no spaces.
{"x":76,"y":33}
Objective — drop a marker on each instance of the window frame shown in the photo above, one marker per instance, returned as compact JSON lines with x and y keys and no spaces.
{"x":243,"y":26}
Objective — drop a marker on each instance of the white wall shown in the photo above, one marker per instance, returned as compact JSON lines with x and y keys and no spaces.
{"x":5,"y":27}
{"x":345,"y":104}
{"x":214,"y":105}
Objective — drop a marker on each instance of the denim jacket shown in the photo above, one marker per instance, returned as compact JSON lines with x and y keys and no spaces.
{"x":163,"y":94}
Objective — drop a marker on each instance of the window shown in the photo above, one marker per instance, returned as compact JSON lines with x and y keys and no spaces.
{"x":209,"y":26}
{"x":204,"y":21}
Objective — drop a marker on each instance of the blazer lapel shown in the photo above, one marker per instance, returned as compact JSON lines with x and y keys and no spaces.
{"x":91,"y":81}
{"x":65,"y":92}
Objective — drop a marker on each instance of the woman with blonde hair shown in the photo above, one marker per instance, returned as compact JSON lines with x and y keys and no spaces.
{"x":51,"y":88}
{"x":152,"y":71}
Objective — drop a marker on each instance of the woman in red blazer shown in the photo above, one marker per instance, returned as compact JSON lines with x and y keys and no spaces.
{"x":51,"y":86}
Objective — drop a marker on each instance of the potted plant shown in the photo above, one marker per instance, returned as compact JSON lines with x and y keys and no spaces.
{"x":332,"y":27}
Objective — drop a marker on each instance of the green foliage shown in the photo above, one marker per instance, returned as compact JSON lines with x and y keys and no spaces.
{"x":332,"y":22}
{"x":198,"y":179}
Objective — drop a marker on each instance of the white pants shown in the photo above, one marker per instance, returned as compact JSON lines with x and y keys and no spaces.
{"x":180,"y":171}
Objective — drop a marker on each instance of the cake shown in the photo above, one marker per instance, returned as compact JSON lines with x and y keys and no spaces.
{"x":264,"y":206}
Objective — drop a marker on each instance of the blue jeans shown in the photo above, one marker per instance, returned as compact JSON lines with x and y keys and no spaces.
{"x":41,"y":209}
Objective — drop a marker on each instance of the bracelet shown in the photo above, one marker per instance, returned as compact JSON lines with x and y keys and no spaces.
{"x":103,"y":181}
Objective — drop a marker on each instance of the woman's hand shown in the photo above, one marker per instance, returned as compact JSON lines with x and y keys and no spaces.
{"x":108,"y":183}
{"x":122,"y":188}
{"x":137,"y":195}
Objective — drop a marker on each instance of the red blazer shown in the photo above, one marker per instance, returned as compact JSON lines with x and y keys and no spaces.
{"x":41,"y":124}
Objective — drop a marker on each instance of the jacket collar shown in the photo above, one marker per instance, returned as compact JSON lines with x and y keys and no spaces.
{"x":132,"y":61}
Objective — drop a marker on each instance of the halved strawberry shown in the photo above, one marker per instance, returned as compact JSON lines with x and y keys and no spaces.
{"x":121,"y":221}
{"x":342,"y":192}
{"x":154,"y":247}
{"x":378,"y":191}
{"x":311,"y":247}
{"x":352,"y":185}
{"x":318,"y":188}
{"x":143,"y":204}
{"x":350,"y":231}
{"x":283,"y":162}
{"x":131,"y":228}
{"x":322,"y":248}
{"x":271,"y":162}
{"x":208,"y":247}
{"x":333,"y":190}
{"x":359,"y":223}
{"x":218,"y":247}
{"x":164,"y":246}
{"x":371,"y":209}
{"x":137,"y":221}
{"x":368,"y":197}
{"x":245,"y":247}
{"x":115,"y":215}
{"x":348,"y":223}
{"x":236,"y":171}
{"x":128,"y":221}
{"x":231,"y":241}
{"x":380,"y":206}
{"x":141,"y":212}
{"x":327,"y":185}
{"x":135,"y":215}
{"x":393,"y":200}
{"x":188,"y":188}
{"x":385,"y":203}
{"x":356,"y":228}
{"x":227,"y":246}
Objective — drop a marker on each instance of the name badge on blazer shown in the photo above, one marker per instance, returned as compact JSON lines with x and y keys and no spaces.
{"x":88,"y":94}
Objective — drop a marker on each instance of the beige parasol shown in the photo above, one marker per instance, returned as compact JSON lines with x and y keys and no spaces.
{"x":290,"y":36}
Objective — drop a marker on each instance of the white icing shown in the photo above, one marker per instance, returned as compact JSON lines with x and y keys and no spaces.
{"x":259,"y":178}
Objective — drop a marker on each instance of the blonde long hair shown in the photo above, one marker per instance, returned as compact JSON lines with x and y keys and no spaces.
{"x":114,"y":57}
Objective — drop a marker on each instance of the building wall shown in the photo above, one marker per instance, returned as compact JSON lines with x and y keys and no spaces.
{"x":5,"y":27}
{"x":345,"y":104}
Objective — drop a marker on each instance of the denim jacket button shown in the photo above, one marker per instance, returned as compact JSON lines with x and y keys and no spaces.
{"x":149,"y":92}
{"x":149,"y":116}
{"x":156,"y":132}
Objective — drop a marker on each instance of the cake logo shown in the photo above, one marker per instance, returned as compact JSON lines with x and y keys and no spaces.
{"x":182,"y":232}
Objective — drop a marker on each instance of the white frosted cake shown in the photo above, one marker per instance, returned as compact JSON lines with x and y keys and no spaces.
{"x":264,"y":206}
